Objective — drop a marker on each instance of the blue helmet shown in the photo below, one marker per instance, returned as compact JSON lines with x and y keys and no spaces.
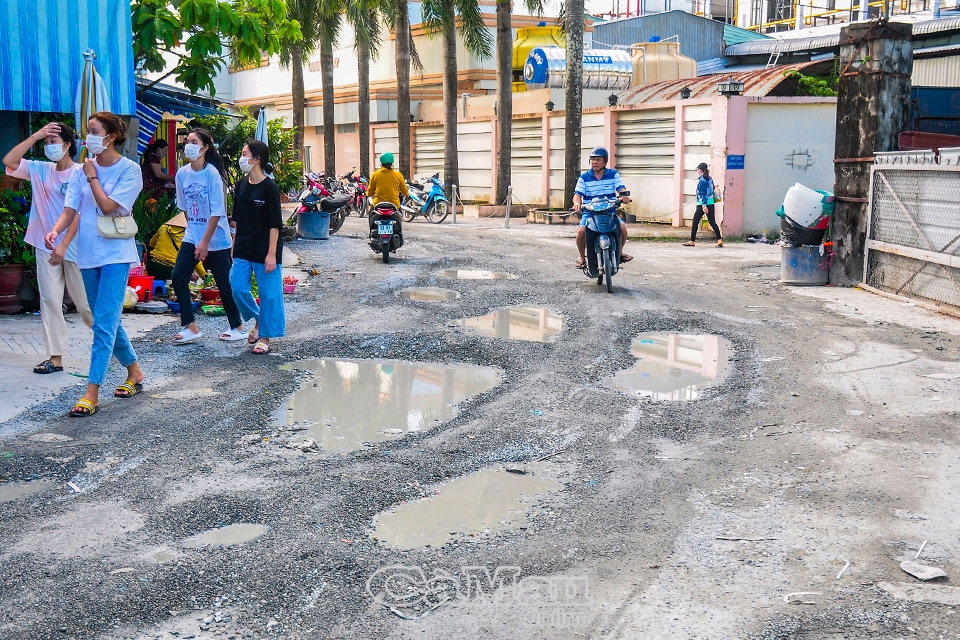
{"x":600,"y":152}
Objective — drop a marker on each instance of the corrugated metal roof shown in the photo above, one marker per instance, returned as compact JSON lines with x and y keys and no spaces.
{"x":793,"y":45}
{"x":761,"y":82}
{"x":936,"y":72}
{"x":820,"y":43}
{"x":735,"y":35}
{"x":700,"y":38}
{"x":713,"y":65}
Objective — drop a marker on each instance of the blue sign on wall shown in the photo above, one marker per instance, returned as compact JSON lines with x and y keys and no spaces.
{"x":734,"y":162}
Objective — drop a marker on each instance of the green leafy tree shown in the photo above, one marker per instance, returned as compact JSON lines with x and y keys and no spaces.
{"x":366,"y":17}
{"x":448,"y":17}
{"x":202,"y":35}
{"x":573,"y":109}
{"x":331,"y":12}
{"x":293,"y":53}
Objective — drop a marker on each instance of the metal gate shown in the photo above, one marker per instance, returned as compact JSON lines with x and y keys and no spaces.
{"x":913,"y":228}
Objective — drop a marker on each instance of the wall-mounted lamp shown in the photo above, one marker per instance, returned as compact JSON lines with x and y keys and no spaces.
{"x":730,"y":87}
{"x":549,"y":105}
{"x":612,"y":99}
{"x":685,"y":93}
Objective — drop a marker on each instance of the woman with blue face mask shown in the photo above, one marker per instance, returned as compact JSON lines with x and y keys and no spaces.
{"x":49,"y":182}
{"x":108,"y":185}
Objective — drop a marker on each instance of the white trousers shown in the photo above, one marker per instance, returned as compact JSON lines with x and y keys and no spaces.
{"x":52,"y":280}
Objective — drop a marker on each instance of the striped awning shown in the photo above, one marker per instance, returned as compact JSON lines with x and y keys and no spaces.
{"x":41,"y":47}
{"x":150,"y":118}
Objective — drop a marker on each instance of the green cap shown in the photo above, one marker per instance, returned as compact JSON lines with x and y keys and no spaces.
{"x":386,"y":158}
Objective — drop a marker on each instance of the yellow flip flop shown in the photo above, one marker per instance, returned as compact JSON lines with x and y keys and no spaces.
{"x":128,"y":389}
{"x":83,"y":409}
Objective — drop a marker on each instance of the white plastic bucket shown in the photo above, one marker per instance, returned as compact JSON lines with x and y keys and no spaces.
{"x":803,"y":205}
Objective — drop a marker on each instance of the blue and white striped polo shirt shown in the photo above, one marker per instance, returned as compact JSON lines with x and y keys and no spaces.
{"x":590,"y":187}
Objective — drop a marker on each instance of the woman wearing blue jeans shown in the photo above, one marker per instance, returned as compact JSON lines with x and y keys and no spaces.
{"x":258,"y":247}
{"x":108,"y":185}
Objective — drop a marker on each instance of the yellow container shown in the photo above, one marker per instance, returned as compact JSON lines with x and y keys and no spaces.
{"x":528,"y":39}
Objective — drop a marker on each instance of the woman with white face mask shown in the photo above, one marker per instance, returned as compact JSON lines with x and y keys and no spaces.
{"x":258,"y":249}
{"x":49,"y":182}
{"x":108,"y":185}
{"x":201,"y":196}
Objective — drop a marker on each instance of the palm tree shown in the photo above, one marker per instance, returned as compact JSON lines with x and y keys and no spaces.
{"x":292,"y":54}
{"x":573,"y":108}
{"x":505,"y":90}
{"x":401,"y":20}
{"x":365,"y":17}
{"x":329,"y":20}
{"x":441,"y":16}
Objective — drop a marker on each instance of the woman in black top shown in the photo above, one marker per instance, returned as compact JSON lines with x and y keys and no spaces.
{"x":258,"y":247}
{"x":156,"y":181}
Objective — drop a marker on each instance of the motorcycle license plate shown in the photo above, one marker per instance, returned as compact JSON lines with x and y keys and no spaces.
{"x":384,"y":229}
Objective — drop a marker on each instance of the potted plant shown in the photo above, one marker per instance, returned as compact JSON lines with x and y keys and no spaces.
{"x":15,"y":254}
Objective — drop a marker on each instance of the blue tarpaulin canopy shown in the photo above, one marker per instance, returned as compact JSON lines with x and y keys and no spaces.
{"x":41,"y":47}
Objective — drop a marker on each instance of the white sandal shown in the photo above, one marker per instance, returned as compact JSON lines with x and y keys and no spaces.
{"x":234,"y":335}
{"x":187,"y":336}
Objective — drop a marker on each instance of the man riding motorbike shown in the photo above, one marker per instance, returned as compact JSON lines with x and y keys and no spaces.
{"x":386,"y":183}
{"x":599,"y":182}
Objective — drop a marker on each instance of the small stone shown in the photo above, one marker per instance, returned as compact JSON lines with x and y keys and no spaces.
{"x":922,"y":571}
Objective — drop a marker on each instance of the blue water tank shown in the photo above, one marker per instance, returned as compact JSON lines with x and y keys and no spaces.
{"x":603,"y":69}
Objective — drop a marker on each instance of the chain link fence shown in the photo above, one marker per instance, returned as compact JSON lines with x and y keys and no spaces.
{"x":913,"y":234}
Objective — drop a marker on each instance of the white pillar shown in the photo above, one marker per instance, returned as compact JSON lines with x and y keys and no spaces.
{"x":798,"y":21}
{"x":864,"y":9}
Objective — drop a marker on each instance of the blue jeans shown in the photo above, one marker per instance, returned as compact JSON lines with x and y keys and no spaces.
{"x":106,"y":287}
{"x":271,"y":321}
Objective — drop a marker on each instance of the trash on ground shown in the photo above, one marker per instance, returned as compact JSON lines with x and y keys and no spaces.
{"x":846,"y":566}
{"x":922,"y":571}
{"x":792,"y":598}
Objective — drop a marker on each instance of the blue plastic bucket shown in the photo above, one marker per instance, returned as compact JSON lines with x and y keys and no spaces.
{"x":804,"y":266}
{"x":314,"y":225}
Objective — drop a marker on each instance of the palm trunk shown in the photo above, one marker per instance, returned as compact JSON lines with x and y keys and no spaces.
{"x":451,"y":164}
{"x":329,"y":126}
{"x":403,"y":87}
{"x":299,"y":101}
{"x":363,"y":78}
{"x":574,"y":99}
{"x":504,"y":97}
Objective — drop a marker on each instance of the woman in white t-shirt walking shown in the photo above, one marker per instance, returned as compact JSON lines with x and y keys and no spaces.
{"x":49,"y":181}
{"x":201,"y":196}
{"x":108,"y":185}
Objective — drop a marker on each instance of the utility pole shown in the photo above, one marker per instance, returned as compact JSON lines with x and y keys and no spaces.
{"x":876,"y":60}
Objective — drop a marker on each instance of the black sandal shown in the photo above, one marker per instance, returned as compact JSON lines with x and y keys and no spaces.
{"x":581,"y":264}
{"x":47,"y":367}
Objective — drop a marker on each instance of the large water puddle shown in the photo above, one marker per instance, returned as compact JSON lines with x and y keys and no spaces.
{"x":226,"y":536}
{"x":489,"y":501}
{"x":674,"y":366}
{"x":15,"y":491}
{"x":533,"y":324}
{"x":428,"y":294}
{"x":475,"y":274}
{"x":352,"y":402}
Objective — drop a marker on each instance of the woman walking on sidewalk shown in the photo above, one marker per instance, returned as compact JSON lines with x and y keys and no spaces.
{"x":705,"y":206}
{"x":201,"y":196}
{"x":258,"y":249}
{"x":49,"y":181}
{"x":108,"y":185}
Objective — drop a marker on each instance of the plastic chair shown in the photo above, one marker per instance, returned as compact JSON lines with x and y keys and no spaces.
{"x":161,"y":286}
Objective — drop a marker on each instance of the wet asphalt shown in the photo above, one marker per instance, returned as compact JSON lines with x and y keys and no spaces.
{"x":648,"y":488}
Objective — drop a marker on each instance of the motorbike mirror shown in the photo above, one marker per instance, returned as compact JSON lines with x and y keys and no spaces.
{"x":623,"y":193}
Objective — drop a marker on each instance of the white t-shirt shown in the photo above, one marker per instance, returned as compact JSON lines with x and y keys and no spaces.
{"x":122,"y":182}
{"x":200,"y":196}
{"x":49,"y":188}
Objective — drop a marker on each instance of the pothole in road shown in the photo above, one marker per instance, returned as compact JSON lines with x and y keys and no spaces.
{"x":674,"y":366}
{"x":533,"y":324}
{"x":225,"y":536}
{"x":15,"y":491}
{"x":475,"y":274}
{"x":352,"y":402}
{"x":489,"y":501}
{"x":428,"y":294}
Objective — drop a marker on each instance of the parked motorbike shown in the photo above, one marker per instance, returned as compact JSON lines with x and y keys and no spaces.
{"x":386,"y":231}
{"x":317,"y":197}
{"x":603,"y":239}
{"x":430,"y":202}
{"x":356,"y":186}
